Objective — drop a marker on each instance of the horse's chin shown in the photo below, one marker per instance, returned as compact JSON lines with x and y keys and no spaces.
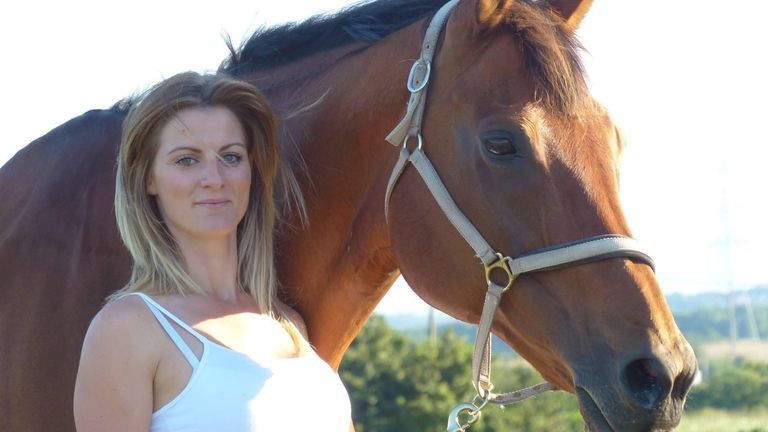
{"x":594,"y":419}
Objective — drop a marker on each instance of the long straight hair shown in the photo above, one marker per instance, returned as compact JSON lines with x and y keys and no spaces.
{"x":158,"y":265}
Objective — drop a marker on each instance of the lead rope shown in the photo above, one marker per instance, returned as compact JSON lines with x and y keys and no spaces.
{"x":590,"y":249}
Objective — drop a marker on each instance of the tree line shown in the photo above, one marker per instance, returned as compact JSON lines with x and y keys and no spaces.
{"x":401,"y":383}
{"x":713,"y":323}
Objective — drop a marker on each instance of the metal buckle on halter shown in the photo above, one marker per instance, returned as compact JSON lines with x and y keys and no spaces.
{"x":419,"y":66}
{"x":500,"y":263}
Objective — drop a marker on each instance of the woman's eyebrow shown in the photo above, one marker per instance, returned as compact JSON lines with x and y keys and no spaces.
{"x":226,"y":146}
{"x":192,"y":149}
{"x":197,"y":150}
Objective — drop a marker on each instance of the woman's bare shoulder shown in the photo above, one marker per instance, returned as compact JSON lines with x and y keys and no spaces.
{"x":114,"y":383}
{"x":125,"y":322}
{"x":123,"y":316}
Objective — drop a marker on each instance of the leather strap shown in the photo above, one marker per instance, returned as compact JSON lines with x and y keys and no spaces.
{"x":419,"y":78}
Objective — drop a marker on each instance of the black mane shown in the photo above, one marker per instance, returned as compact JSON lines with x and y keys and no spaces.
{"x":365,"y":22}
{"x":550,"y":50}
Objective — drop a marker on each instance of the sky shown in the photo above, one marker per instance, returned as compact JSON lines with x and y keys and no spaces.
{"x":684,"y":79}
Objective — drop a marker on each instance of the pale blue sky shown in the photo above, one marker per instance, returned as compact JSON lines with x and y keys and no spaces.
{"x":685,"y":79}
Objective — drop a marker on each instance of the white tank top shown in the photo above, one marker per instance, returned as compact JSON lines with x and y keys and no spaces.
{"x":229,"y":391}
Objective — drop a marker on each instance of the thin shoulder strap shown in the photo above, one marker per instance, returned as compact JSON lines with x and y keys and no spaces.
{"x":161,"y":313}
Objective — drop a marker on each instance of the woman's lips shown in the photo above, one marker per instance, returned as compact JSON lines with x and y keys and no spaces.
{"x":213,"y":203}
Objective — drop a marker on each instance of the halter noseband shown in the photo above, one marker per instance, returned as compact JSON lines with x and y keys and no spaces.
{"x":586,"y":250}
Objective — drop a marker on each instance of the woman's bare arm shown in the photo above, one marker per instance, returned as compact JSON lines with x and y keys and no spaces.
{"x":113,"y":391}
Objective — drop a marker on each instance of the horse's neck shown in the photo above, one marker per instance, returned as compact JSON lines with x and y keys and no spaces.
{"x":338,"y":269}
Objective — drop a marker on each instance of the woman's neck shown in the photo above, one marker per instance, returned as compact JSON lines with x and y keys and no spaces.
{"x":212,"y":264}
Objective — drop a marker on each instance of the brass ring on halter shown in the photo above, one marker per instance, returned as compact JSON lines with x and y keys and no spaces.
{"x":413,"y":86}
{"x":500,"y":263}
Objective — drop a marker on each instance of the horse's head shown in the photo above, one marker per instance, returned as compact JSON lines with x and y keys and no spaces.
{"x":532,"y":161}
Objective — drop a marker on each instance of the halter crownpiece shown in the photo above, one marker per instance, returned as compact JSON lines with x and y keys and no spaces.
{"x":418,"y":79}
{"x":586,"y":250}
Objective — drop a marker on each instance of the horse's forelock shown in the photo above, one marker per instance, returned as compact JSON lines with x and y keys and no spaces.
{"x":551,"y":53}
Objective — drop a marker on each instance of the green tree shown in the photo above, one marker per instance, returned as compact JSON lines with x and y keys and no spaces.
{"x":397,"y":384}
{"x":400,"y":384}
{"x":732,"y":386}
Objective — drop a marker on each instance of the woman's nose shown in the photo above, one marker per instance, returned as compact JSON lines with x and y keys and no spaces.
{"x":211,"y":174}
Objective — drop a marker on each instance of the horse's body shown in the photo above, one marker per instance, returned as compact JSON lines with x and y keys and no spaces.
{"x":504,"y":81}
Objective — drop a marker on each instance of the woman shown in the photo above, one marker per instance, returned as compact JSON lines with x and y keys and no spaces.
{"x":197,"y":340}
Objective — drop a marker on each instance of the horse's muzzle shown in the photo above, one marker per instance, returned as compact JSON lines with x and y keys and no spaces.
{"x":645,"y":394}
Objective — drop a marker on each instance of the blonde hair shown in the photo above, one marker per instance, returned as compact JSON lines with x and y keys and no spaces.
{"x":157,"y":261}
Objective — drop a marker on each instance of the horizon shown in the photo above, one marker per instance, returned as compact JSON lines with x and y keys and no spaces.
{"x":392,"y":305}
{"x":680,"y":78}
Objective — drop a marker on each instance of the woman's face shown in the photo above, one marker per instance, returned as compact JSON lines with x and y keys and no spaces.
{"x":201,"y":175}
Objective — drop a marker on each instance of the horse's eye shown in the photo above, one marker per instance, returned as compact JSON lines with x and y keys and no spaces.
{"x":500,"y":146}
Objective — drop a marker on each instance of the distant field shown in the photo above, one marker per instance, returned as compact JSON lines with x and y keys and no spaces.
{"x":747,"y":348}
{"x":712,"y":420}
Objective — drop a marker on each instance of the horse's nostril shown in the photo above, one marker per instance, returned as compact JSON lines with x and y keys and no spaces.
{"x":646,"y":382}
{"x":683,"y":383}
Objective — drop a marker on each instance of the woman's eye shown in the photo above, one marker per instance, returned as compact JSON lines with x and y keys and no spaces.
{"x":231,"y":158}
{"x":500,"y":146}
{"x":185,"y":161}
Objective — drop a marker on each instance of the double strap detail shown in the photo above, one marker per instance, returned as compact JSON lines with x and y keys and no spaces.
{"x":162,"y":315}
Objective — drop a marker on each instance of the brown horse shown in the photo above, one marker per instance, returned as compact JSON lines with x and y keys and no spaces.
{"x":525,"y":152}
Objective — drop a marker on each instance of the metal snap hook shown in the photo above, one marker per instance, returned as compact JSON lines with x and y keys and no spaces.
{"x":454,"y":422}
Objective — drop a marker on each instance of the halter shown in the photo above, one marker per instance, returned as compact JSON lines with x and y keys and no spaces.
{"x":586,"y":250}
